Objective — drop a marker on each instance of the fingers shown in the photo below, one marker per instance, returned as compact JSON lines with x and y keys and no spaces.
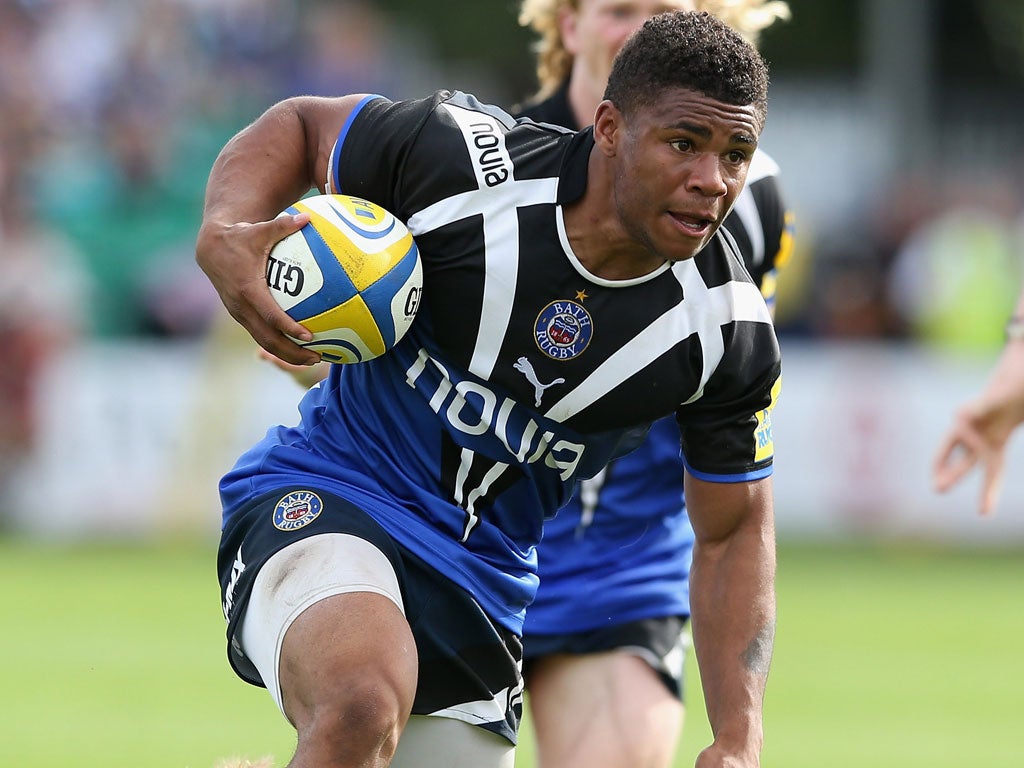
{"x":279,"y":345}
{"x":262,"y":300}
{"x":234,"y":257}
{"x":256,"y":310}
{"x":962,"y":449}
{"x":287,"y":223}
{"x":262,"y":316}
{"x":993,"y":483}
{"x":955,"y":459}
{"x":289,"y":368}
{"x":304,"y":375}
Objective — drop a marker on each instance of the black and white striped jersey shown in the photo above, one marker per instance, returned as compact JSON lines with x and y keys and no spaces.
{"x":620,"y":550}
{"x":522,"y":372}
{"x":761,"y":224}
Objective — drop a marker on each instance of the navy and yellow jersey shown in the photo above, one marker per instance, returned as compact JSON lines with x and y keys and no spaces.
{"x":523,"y":372}
{"x":761,"y":225}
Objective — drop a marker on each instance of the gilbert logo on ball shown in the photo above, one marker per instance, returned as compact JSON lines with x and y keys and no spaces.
{"x":352,"y":276}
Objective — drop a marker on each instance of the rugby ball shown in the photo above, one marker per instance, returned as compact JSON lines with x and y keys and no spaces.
{"x":352,"y":276}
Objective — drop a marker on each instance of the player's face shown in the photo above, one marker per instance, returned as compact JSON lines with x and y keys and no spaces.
{"x":678,"y":165}
{"x":595,"y":32}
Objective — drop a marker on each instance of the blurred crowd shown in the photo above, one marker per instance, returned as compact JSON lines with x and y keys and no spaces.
{"x":938,"y":262}
{"x":112,"y":111}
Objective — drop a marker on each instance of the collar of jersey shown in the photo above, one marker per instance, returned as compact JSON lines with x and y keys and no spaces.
{"x":578,"y":265}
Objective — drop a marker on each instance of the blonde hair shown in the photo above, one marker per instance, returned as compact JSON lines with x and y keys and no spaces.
{"x":748,"y":17}
{"x":554,"y":63}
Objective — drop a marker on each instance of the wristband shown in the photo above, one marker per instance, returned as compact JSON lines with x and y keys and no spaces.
{"x":1015,"y":328}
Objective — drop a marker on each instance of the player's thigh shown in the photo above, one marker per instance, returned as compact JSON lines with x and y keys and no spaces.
{"x":353,"y":654}
{"x":325,"y":627}
{"x":602,"y":710}
{"x":441,"y":742}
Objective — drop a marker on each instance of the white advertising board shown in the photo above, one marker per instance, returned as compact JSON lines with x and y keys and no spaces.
{"x":133,"y":439}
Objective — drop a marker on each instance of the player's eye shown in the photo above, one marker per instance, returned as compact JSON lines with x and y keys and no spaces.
{"x":683,"y":145}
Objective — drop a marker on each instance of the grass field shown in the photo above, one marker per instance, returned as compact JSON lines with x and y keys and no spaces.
{"x":113,"y":656}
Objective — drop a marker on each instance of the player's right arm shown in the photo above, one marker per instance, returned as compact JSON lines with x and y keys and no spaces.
{"x":732,"y":602}
{"x":261,"y":171}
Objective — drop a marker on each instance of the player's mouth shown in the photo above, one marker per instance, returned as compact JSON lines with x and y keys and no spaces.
{"x":694,"y":224}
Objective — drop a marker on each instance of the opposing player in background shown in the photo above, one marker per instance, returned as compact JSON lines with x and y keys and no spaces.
{"x":377,"y":559}
{"x":604,"y":638}
{"x":982,"y":428}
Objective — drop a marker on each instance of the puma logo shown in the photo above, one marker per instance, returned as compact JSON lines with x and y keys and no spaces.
{"x":525,"y":367}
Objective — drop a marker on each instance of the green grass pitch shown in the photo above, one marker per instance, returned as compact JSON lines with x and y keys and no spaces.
{"x":113,"y":657}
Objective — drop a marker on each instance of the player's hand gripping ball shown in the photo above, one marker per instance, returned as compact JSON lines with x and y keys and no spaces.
{"x":352,"y":276}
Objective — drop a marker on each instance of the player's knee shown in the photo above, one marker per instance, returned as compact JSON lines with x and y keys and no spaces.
{"x":358,"y":725}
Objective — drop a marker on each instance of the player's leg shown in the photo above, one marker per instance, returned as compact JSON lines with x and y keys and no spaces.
{"x":440,"y":742}
{"x":325,"y":628}
{"x":608,"y":697}
{"x":602,"y":710}
{"x":350,"y":633}
{"x":348,"y":677}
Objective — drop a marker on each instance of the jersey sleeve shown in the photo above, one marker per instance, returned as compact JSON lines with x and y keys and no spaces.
{"x":408,"y":155}
{"x":727,"y":433}
{"x":374,"y":147}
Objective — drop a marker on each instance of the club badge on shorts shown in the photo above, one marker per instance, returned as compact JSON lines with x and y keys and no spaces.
{"x":563,"y":329}
{"x":297,"y":509}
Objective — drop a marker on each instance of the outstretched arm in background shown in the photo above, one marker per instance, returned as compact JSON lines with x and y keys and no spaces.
{"x":982,"y":427}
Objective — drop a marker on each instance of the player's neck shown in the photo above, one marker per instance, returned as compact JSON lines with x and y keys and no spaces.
{"x":597,"y":235}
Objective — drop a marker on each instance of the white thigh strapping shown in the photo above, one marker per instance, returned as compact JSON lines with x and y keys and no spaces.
{"x":440,"y":742}
{"x":299,"y":575}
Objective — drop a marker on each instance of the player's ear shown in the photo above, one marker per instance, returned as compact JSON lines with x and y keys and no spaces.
{"x":608,"y":127}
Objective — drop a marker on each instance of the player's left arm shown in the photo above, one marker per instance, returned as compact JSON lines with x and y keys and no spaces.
{"x":732,"y":601}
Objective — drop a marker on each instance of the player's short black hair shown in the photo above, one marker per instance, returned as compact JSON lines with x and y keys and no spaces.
{"x":688,"y":50}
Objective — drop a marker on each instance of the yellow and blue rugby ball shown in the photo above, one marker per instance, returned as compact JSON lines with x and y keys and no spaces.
{"x":352,"y":276}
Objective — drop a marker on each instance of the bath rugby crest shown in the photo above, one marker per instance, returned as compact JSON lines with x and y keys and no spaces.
{"x":297,"y":509}
{"x":524,"y":372}
{"x":563,"y":329}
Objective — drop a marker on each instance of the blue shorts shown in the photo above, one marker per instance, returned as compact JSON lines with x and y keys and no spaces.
{"x":470,"y":668}
{"x":660,"y":642}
